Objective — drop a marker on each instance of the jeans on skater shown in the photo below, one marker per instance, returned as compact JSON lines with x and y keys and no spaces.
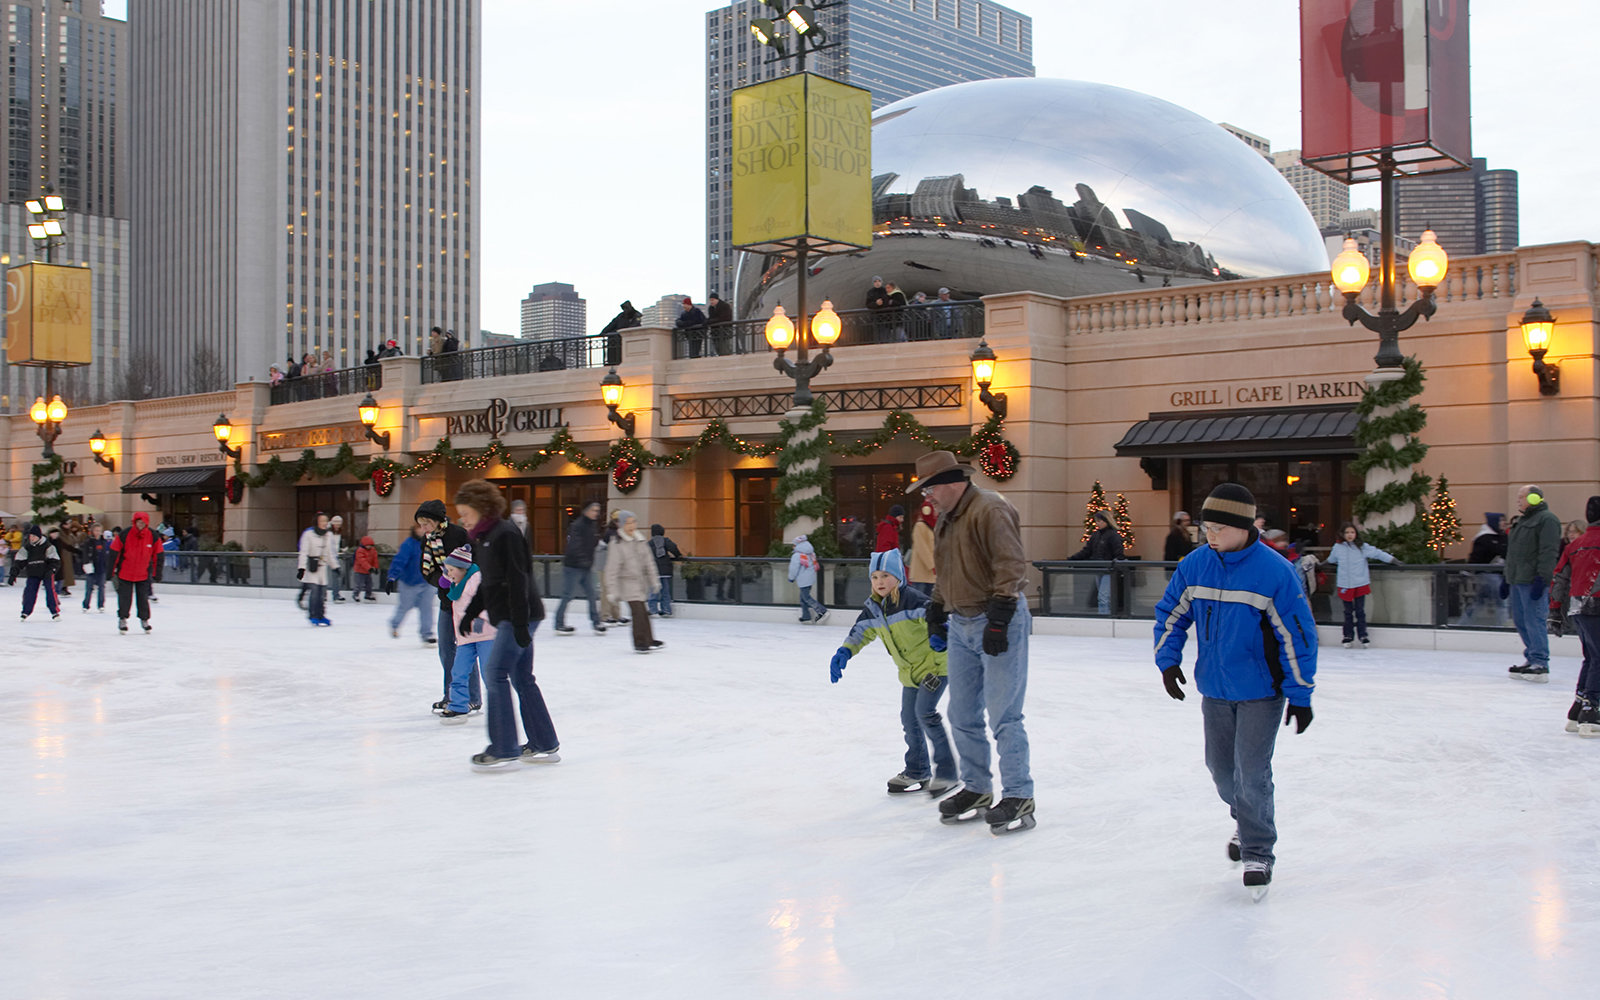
{"x":1102,"y":593}
{"x":661,"y":600}
{"x":1589,"y":675}
{"x":574,"y":578}
{"x":1355,"y":618}
{"x":94,"y":585}
{"x":1240,"y":736}
{"x":464,"y":671}
{"x":1529,"y":613}
{"x":30,"y":594}
{"x":919,"y":717}
{"x":416,"y":597}
{"x":808,"y":603}
{"x":980,"y":682}
{"x":447,"y":657}
{"x":511,"y":668}
{"x":317,"y":602}
{"x":127,"y":590}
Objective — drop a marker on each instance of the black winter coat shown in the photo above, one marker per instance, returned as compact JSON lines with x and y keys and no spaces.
{"x":1178,"y":546}
{"x":877,"y":298}
{"x":582,"y":536}
{"x":666,"y":552}
{"x":1104,"y":545}
{"x":453,"y":537}
{"x":35,"y":560}
{"x":507,"y":592}
{"x":1486,"y":547}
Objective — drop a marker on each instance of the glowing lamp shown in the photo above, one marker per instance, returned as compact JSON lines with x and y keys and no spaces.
{"x":825,"y":325}
{"x":38,"y":412}
{"x":57,"y":410}
{"x":780,"y":330}
{"x":1350,"y":268}
{"x":368,"y":410}
{"x":1428,"y":262}
{"x":97,"y":444}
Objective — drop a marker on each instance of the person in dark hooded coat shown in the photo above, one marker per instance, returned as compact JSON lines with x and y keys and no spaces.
{"x":665,"y":551}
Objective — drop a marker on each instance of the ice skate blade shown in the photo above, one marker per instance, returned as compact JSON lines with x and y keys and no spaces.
{"x":965,"y":817}
{"x":908,"y":788}
{"x":514,"y":764}
{"x":1588,"y":732}
{"x":1019,"y":825}
{"x":1535,"y":678}
{"x":1258,"y":892}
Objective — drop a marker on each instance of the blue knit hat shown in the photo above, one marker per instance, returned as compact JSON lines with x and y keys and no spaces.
{"x":889,"y":562}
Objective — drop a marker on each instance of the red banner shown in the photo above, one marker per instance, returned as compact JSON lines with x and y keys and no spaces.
{"x":1384,"y":77}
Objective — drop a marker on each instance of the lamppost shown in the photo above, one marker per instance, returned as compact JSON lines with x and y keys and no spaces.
{"x":782,"y":333}
{"x":611,"y":395}
{"x":45,"y":228}
{"x":983,"y":359}
{"x":97,"y":445}
{"x":368,"y":411}
{"x":49,"y":417}
{"x":1537,"y":325}
{"x":224,"y":430}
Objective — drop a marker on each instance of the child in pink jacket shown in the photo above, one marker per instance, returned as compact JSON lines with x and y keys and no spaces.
{"x":472,"y":648}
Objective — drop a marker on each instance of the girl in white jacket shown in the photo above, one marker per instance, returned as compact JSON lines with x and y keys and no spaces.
{"x":319,"y":552}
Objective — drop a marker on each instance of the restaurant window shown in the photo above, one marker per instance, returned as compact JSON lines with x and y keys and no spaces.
{"x":348,"y":502}
{"x":1310,"y":498}
{"x":202,"y":511}
{"x":862,"y":497}
{"x":755,"y":500}
{"x":552,"y":504}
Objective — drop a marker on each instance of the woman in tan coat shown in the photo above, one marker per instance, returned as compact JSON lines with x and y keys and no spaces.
{"x":630,"y":577}
{"x":919,"y":575}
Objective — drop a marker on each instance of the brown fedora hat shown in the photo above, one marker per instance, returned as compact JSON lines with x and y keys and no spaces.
{"x":936,"y":467}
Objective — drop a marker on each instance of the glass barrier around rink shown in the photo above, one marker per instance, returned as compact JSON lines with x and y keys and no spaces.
{"x":1446,"y":595}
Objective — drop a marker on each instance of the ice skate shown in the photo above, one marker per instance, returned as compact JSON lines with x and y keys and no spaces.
{"x":1573,"y":713}
{"x":449,"y":717}
{"x":1348,"y":643}
{"x":938,"y":787}
{"x":440,"y":706}
{"x":1589,"y":722}
{"x":145,"y":624}
{"x":1257,"y":878}
{"x":1365,"y":642}
{"x":1011,"y":815}
{"x":1534,"y":674}
{"x":1234,"y":854}
{"x":57,"y":617}
{"x":532,"y":756}
{"x":565,"y":630}
{"x":487,"y":761}
{"x":122,"y":625}
{"x":963,"y":806}
{"x":903,"y":782}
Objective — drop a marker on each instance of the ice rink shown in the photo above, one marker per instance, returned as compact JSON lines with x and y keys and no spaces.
{"x":239,"y":805}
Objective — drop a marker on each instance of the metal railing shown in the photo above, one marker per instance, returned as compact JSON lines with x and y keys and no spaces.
{"x":1447,"y":595}
{"x":595,"y":351}
{"x":324,"y":385}
{"x":929,"y":321}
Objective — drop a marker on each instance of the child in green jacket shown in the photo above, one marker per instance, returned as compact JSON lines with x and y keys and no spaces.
{"x":896,"y":614}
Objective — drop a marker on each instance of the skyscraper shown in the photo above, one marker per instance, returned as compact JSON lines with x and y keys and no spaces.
{"x":1327,"y":198}
{"x":554,"y":310}
{"x":64,"y":90}
{"x":893,"y":48}
{"x":1470,"y":211}
{"x":303,"y":180}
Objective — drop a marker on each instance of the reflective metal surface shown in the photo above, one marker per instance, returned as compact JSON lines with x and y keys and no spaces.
{"x":1056,"y":186}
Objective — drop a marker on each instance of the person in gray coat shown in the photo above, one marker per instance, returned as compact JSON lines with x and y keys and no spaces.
{"x":803,"y":570}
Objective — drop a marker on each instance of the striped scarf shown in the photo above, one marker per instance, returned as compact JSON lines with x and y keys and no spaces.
{"x":433,"y":552}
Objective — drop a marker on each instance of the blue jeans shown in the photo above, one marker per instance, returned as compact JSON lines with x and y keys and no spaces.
{"x":661,"y":600}
{"x":30,"y":594}
{"x":464,"y":669}
{"x":94,"y":585}
{"x":511,"y":667}
{"x":807,"y":603}
{"x":1102,"y":593}
{"x":414,"y":597}
{"x":572,"y":579}
{"x":1589,"y":676}
{"x":447,"y":657}
{"x":317,"y":602}
{"x":919,"y":717}
{"x":980,"y":682}
{"x":1357,"y":610}
{"x":1529,"y":613}
{"x":1240,"y":736}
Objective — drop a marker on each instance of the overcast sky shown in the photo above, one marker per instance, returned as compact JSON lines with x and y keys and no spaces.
{"x":593,"y":138}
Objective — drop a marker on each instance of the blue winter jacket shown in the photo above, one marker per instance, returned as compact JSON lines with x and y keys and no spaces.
{"x":406,"y":566}
{"x":803,"y":565}
{"x":1352,"y":563}
{"x":1257,"y":637}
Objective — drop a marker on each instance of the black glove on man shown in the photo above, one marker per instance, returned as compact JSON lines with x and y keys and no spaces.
{"x":938,"y":620}
{"x":465,"y":628}
{"x":994,"y":634}
{"x":1173,"y":678}
{"x":1300,"y":715}
{"x":523,"y":636}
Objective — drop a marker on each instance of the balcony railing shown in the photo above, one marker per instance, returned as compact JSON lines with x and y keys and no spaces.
{"x":323,"y":385}
{"x":930,"y":321}
{"x":520,"y":359}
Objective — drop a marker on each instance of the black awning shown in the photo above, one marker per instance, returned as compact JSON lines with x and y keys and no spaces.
{"x":203,"y":479}
{"x":1257,"y":432}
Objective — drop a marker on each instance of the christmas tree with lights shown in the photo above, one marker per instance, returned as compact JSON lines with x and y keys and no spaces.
{"x":1124,"y":522}
{"x":1097,"y":501}
{"x":1444,"y":528}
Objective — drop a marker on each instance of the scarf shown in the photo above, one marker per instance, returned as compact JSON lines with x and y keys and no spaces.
{"x":433,"y":552}
{"x":457,"y":588}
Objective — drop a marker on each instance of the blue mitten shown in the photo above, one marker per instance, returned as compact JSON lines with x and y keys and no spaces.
{"x":936,"y":641}
{"x":836,"y":668}
{"x":1536,"y":588}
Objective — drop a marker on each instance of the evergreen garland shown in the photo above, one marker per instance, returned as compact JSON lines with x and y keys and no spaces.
{"x":1411,"y":542}
{"x":802,"y":467}
{"x":49,"y":491}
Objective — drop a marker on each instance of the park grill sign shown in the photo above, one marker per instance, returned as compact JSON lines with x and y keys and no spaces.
{"x":498,"y":417}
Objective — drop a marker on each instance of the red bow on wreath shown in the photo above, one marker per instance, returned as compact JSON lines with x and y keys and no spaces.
{"x":998,"y":460}
{"x":382,"y":482}
{"x":625,"y":475}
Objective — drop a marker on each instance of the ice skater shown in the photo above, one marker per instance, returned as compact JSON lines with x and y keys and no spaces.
{"x":977,"y":612}
{"x":898,"y":615}
{"x":632,"y":579}
{"x":95,"y":551}
{"x":440,"y":537}
{"x":319,"y":548}
{"x":1258,"y":648}
{"x":135,"y":560}
{"x":405,"y":569}
{"x":364,"y":567}
{"x":803,"y":567}
{"x":1576,"y":580}
{"x":473,"y":638}
{"x":38,"y":562}
{"x":1353,"y":581}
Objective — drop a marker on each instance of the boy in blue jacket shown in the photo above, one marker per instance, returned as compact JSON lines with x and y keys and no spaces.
{"x":1258,"y":649}
{"x":415,"y":593}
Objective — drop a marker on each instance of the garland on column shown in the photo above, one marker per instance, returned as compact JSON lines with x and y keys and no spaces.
{"x":1408,"y":542}
{"x":49,"y":491}
{"x":801,"y":470}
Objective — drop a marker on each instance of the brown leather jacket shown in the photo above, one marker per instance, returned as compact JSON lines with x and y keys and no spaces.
{"x":977,"y":553}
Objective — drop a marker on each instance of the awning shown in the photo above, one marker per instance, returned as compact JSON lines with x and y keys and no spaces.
{"x":1219,"y":435}
{"x":203,"y":479}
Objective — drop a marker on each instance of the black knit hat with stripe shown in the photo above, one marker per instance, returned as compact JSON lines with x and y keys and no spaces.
{"x":1230,"y":504}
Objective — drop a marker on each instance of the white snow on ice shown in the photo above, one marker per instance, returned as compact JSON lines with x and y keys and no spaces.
{"x":240,"y":806}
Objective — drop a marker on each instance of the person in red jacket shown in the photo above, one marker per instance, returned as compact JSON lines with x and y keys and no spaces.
{"x":1577,"y":579}
{"x":134,"y":558}
{"x":889,"y":530}
{"x":365,"y":567}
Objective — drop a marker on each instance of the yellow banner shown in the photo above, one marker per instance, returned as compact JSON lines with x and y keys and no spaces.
{"x":802,"y":163}
{"x":48,"y":315}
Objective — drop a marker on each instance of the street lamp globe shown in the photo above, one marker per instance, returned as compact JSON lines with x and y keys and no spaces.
{"x":1350,"y":268}
{"x":825,"y":325}
{"x":1428,"y":262}
{"x":222,"y":428}
{"x":38,"y":412}
{"x":368,"y":410}
{"x":611,"y":389}
{"x":983,"y":359}
{"x":1537,"y":326}
{"x":97,"y":444}
{"x":780,"y":330}
{"x":57,"y":410}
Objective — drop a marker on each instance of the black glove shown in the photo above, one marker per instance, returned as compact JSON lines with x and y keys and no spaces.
{"x":299,"y":574}
{"x":1173,"y":678}
{"x":1536,"y":588}
{"x":1300,"y":715}
{"x":994,"y":634}
{"x":938,"y":620}
{"x":388,"y":586}
{"x":465,"y":628}
{"x":523,"y":636}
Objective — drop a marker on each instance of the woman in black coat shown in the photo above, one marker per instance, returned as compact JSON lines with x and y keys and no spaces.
{"x":1103,"y":546}
{"x":1178,"y":541}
